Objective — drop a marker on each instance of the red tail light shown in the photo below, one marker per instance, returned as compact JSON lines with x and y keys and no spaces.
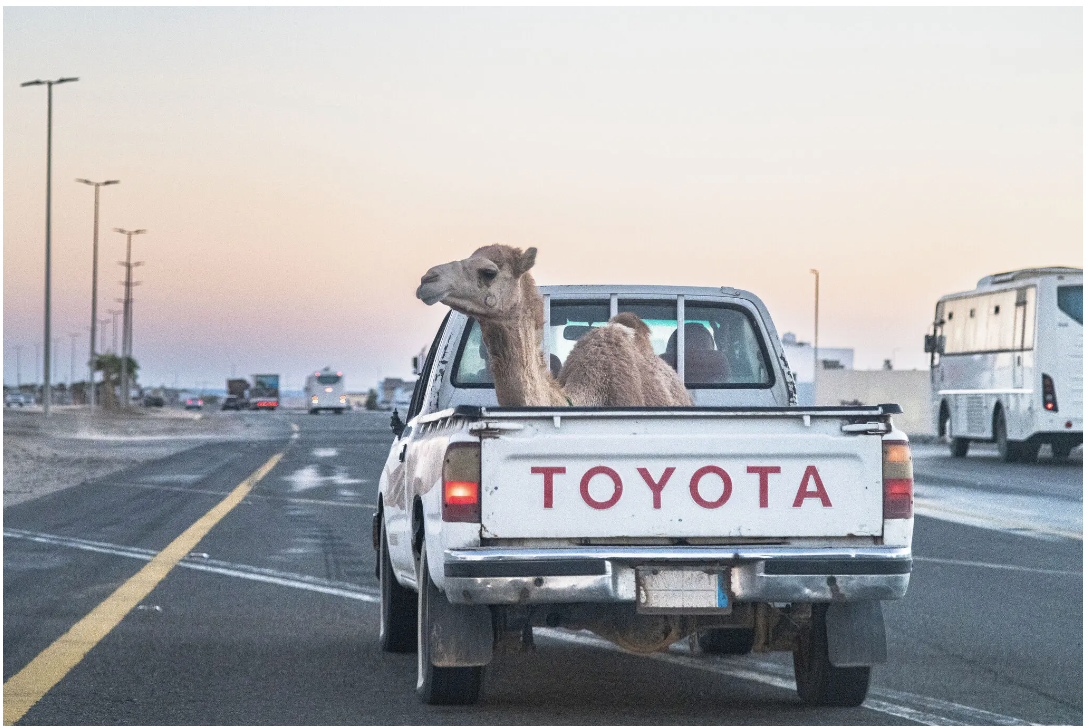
{"x":462,"y":483}
{"x":896,"y":479}
{"x":1048,"y":393}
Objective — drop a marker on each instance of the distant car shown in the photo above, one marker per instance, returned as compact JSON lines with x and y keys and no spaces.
{"x":17,"y":399}
{"x":194,"y":403}
{"x":231,"y":402}
{"x":153,"y":400}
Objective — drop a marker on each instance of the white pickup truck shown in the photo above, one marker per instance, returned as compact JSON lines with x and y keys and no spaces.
{"x":744,"y":523}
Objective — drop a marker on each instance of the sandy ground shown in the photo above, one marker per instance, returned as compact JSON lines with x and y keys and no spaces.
{"x":73,"y":446}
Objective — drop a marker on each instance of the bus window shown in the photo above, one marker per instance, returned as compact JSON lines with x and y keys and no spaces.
{"x":1069,"y":300}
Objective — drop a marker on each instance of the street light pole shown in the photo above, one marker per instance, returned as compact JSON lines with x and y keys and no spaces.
{"x":94,"y":289}
{"x":48,"y":214}
{"x":127,"y":312}
{"x":816,"y":279}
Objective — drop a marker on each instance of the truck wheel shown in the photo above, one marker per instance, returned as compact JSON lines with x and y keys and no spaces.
{"x":438,"y":685}
{"x":817,"y":681}
{"x":725,"y":641}
{"x":397,"y":612}
{"x":1009,"y":450}
{"x":1061,"y":450}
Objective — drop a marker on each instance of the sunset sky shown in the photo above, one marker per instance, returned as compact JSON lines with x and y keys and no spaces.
{"x":298,"y":170}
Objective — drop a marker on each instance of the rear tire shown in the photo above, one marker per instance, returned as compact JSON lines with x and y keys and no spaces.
{"x":1061,"y":451}
{"x":438,"y":685}
{"x":397,"y":608}
{"x":1009,"y":450}
{"x":817,"y":681}
{"x":959,"y":446}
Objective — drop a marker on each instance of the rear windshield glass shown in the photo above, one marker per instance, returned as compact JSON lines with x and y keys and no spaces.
{"x":1069,"y":299}
{"x":329,"y":378}
{"x":722,"y":346}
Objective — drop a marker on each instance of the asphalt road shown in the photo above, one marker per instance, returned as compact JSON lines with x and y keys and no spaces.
{"x":272,"y":617}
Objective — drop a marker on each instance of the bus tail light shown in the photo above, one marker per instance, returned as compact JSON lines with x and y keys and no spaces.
{"x":896,"y":479}
{"x":462,"y":483}
{"x":1048,"y":393}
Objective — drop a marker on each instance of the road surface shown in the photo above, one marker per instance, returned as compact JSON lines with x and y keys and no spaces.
{"x":271,"y":617}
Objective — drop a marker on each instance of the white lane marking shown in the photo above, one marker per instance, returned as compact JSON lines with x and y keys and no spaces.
{"x":213,"y":566}
{"x":1027,"y":515}
{"x":883,"y":700}
{"x":987,"y":565}
{"x":890,"y":702}
{"x":324,"y":452}
{"x":308,"y":478}
{"x":251,"y":496}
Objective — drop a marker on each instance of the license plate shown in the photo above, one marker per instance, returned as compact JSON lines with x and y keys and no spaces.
{"x":671,"y":590}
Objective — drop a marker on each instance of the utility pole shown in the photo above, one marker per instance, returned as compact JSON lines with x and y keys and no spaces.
{"x":94,"y":289}
{"x":115,"y":313}
{"x":126,"y":340}
{"x":102,"y":334}
{"x":816,"y":278}
{"x":18,"y":367}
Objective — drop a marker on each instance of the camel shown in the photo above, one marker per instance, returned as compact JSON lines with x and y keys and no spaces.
{"x":610,"y":366}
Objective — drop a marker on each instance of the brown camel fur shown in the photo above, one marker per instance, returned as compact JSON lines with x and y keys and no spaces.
{"x":610,"y":366}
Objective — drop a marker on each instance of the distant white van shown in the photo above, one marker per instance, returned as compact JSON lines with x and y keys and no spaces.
{"x":324,"y":390}
{"x":1006,"y":363}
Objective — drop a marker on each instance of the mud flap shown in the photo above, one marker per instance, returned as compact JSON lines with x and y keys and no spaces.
{"x":856,"y":633}
{"x":460,"y":635}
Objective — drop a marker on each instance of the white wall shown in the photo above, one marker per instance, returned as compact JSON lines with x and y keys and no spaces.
{"x":909,"y":388}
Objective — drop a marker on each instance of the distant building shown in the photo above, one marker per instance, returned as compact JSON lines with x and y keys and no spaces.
{"x":394,"y":392}
{"x":800,"y":355}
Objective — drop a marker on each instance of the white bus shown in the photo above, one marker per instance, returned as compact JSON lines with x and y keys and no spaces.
{"x":324,"y":390}
{"x":1006,"y":363}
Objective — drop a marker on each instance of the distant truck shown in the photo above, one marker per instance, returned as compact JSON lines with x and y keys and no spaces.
{"x":265,"y":394}
{"x":324,"y":390}
{"x":237,"y":395}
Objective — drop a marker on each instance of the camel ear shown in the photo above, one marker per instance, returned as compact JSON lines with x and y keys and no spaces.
{"x":526,"y":260}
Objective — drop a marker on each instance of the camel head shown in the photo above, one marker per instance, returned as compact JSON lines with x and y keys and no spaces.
{"x":486,"y":285}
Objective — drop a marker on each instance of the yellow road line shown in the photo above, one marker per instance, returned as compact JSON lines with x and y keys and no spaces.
{"x":30,"y":684}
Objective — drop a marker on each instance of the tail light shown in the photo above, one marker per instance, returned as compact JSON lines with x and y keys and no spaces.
{"x":462,"y":483}
{"x":896,"y":479}
{"x":1048,"y":393}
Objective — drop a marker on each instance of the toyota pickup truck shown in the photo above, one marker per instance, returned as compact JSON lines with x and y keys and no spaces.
{"x":743,"y":523}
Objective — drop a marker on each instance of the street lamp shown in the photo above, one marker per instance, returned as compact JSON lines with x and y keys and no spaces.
{"x":48,"y":211}
{"x":94,"y":288}
{"x":816,"y":278}
{"x":126,"y":318}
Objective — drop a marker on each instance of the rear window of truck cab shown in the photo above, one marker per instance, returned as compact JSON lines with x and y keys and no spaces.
{"x":723,"y":347}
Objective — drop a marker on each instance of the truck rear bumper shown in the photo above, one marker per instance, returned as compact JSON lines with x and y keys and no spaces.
{"x":552,"y":576}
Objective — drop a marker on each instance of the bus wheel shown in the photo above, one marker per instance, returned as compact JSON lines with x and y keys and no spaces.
{"x":959,"y":446}
{"x":1009,"y":450}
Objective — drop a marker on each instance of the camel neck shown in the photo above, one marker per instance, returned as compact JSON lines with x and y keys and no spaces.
{"x":522,"y":377}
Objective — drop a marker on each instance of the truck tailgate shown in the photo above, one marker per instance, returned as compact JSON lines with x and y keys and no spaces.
{"x":694,"y":476}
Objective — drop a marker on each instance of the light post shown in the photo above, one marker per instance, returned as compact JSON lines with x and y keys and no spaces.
{"x":94,"y":288}
{"x":816,"y":279}
{"x":18,"y":367}
{"x":126,"y":319}
{"x":48,"y":220}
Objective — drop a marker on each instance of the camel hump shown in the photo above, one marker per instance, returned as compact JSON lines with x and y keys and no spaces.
{"x":633,"y":322}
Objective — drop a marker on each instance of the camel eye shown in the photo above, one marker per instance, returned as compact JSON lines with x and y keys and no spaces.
{"x":488,"y":274}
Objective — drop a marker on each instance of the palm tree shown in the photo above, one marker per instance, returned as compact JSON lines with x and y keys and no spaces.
{"x":110,"y":366}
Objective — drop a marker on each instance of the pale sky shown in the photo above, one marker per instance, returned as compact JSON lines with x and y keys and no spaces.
{"x":298,"y":170}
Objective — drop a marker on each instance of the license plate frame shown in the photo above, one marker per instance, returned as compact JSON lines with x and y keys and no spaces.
{"x":683,"y":590}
